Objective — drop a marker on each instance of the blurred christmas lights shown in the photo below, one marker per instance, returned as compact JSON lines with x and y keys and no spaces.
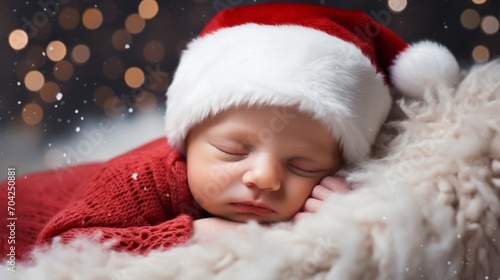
{"x":92,"y":18}
{"x":56,"y":50}
{"x":397,"y":6}
{"x":18,"y":39}
{"x":34,"y":80}
{"x":119,"y":46}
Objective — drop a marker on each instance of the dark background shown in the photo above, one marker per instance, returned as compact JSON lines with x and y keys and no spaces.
{"x":97,"y":114}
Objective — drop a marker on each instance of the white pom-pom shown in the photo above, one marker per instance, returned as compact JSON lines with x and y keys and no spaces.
{"x":422,"y":66}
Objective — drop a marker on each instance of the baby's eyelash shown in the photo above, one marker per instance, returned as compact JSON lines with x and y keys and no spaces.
{"x":311,"y":172}
{"x":232,"y":152}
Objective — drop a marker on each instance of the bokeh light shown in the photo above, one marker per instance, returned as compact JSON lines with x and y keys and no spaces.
{"x":479,"y":2}
{"x":36,"y":57}
{"x":397,"y":5}
{"x":63,"y":70}
{"x":56,"y":50}
{"x":92,"y":18}
{"x":135,"y":23}
{"x":80,"y":54}
{"x":18,"y":39}
{"x":68,"y":18}
{"x":98,"y":41}
{"x":153,"y":51}
{"x":480,"y":54}
{"x":103,"y":93}
{"x":489,"y":25}
{"x":470,"y":19}
{"x":121,"y":39}
{"x":113,"y":68}
{"x":32,"y":113}
{"x":148,"y":9}
{"x":146,"y":102}
{"x":48,"y":93}
{"x":34,"y":80}
{"x":134,"y":77}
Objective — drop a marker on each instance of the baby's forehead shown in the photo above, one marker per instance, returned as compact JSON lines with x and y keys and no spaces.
{"x":269,"y":122}
{"x":275,"y":118}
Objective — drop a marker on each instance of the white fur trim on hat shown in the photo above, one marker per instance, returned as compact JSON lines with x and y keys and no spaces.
{"x":422,"y":66}
{"x":286,"y":65}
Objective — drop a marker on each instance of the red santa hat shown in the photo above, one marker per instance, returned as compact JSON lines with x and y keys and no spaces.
{"x":335,"y":64}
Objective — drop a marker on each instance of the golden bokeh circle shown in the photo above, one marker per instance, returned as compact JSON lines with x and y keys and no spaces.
{"x":34,"y":80}
{"x":480,"y":54}
{"x":92,"y":18}
{"x":397,"y":6}
{"x":134,"y":77}
{"x":479,"y":2}
{"x":135,"y":23}
{"x":32,"y":113}
{"x":148,"y":9}
{"x":18,"y":39}
{"x":56,"y":50}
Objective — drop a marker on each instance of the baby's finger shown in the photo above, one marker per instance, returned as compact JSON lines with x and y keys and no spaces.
{"x":312,"y":205}
{"x":321,"y":192}
{"x":335,"y":184}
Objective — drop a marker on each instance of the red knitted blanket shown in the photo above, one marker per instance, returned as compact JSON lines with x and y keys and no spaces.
{"x":141,"y":199}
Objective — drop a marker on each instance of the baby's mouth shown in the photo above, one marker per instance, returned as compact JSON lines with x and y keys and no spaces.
{"x":248,"y":207}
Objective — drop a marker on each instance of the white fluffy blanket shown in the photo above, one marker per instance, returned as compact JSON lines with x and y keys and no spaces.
{"x":428,"y":207}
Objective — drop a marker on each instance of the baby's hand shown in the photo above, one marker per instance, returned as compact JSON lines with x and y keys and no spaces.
{"x":320,"y":193}
{"x":213,"y":225}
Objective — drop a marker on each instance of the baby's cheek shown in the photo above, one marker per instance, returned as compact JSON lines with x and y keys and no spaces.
{"x":301,"y":194}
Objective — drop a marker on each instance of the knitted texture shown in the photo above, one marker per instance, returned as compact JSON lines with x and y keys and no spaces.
{"x":140,"y":199}
{"x":38,"y":197}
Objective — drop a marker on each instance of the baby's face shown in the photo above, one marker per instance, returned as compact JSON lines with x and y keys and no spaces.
{"x":259,"y":163}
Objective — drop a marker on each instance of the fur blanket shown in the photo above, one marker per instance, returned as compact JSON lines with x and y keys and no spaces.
{"x":426,"y":207}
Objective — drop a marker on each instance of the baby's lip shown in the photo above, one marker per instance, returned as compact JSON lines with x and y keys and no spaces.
{"x":253,"y":207}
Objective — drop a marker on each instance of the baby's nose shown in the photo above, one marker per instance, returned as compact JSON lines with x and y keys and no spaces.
{"x":264,"y":172}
